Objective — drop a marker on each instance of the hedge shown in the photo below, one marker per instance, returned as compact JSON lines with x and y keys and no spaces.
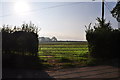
{"x":103,"y":41}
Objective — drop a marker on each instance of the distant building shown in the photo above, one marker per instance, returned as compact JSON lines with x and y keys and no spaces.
{"x":44,"y":39}
{"x":47,"y":39}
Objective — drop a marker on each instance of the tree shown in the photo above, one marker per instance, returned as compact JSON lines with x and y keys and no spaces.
{"x":54,"y":39}
{"x":101,"y":26}
{"x":116,"y":11}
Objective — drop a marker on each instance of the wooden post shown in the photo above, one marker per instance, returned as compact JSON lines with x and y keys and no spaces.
{"x":102,"y":12}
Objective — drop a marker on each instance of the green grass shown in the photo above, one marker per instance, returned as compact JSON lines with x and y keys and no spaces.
{"x":62,"y":46}
{"x":64,"y":53}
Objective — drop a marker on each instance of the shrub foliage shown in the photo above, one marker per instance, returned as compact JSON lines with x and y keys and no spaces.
{"x":20,"y":40}
{"x":103,"y":41}
{"x":19,"y":45}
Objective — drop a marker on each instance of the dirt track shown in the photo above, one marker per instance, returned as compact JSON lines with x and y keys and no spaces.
{"x":87,"y":72}
{"x":84,"y":72}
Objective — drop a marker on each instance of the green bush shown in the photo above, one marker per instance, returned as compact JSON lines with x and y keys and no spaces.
{"x":20,"y":47}
{"x":22,"y":40}
{"x":103,"y":41}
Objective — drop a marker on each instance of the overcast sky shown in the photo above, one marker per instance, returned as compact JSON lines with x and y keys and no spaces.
{"x":64,"y":20}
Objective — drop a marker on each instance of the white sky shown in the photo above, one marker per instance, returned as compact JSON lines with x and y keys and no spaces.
{"x":64,"y":20}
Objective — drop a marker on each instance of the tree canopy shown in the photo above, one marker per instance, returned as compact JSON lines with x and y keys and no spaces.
{"x":116,"y":11}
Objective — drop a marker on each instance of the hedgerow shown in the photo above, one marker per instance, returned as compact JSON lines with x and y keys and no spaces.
{"x":103,"y":40}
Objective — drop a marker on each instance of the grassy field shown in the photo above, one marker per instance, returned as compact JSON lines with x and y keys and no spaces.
{"x":64,"y":54}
